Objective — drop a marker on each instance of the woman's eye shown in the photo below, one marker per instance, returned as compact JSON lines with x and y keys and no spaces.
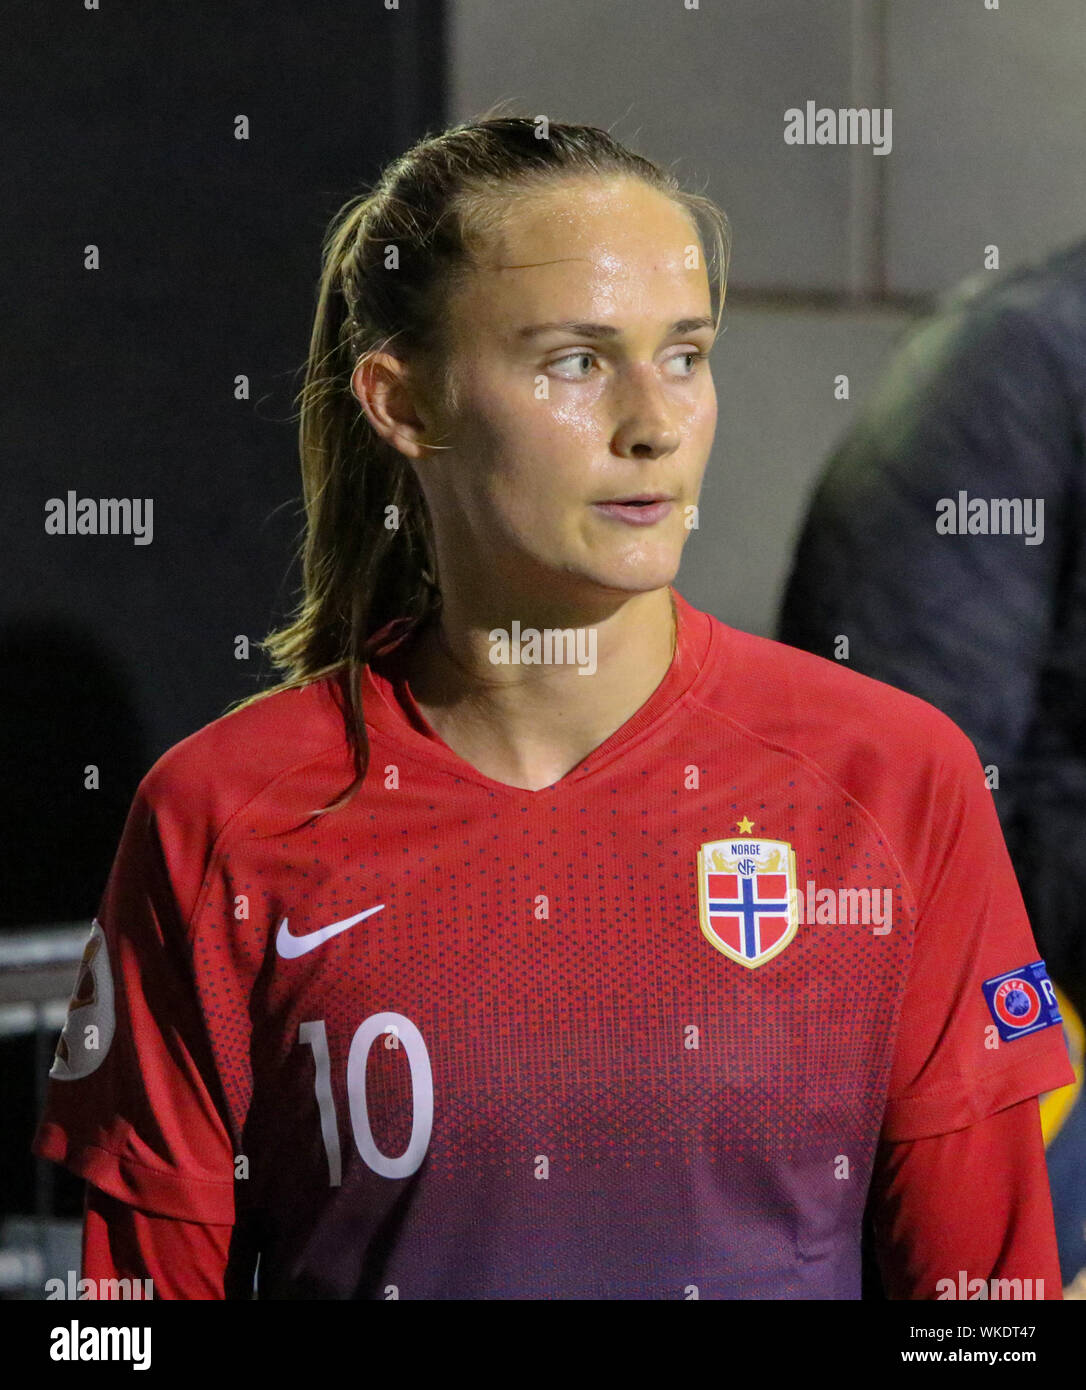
{"x":692,"y":358}
{"x":575,"y":357}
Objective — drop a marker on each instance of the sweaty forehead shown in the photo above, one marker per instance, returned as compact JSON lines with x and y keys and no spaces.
{"x":587,"y":247}
{"x":598,"y":226}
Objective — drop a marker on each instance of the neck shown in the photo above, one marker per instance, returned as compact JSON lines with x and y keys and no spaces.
{"x":528,"y":722}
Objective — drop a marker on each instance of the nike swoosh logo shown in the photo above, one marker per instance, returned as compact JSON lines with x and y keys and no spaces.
{"x":291,"y":947}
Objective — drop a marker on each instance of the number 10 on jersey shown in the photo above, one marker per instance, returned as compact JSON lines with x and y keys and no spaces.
{"x":422,"y":1095}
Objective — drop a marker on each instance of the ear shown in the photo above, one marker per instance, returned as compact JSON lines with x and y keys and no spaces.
{"x":383,"y":386}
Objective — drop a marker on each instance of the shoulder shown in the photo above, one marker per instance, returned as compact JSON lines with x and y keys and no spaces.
{"x":1036,"y":290}
{"x":869,"y":737}
{"x":279,"y":753}
{"x":1035,"y":311}
{"x":912,"y":772}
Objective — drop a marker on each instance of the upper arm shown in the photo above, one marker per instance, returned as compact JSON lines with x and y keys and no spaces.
{"x":134,"y":1103}
{"x":969,"y":1205}
{"x":183,"y":1259}
{"x":959,"y":1053}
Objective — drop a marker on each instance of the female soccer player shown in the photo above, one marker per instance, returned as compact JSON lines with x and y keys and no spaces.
{"x":541,"y":936}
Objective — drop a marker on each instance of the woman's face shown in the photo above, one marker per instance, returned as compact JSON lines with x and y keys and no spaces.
{"x":550,"y":422}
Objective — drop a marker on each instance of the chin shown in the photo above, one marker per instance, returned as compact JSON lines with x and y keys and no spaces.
{"x":638,"y":577}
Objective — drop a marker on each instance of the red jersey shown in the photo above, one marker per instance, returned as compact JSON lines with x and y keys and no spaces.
{"x":634,"y":1035}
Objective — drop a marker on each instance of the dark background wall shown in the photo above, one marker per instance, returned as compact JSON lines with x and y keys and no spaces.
{"x":120,"y":382}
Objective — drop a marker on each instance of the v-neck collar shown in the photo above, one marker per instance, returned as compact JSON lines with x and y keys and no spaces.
{"x":389,"y":706}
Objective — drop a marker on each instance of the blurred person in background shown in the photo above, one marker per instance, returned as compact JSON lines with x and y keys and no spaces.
{"x":944,"y":552}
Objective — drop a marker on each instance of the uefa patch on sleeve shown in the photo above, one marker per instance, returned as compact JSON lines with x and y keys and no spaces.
{"x":1022,"y":1001}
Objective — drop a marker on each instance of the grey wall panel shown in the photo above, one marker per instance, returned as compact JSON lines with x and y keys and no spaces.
{"x":989,"y":145}
{"x":989,"y":135}
{"x":774,"y":373}
{"x":704,"y":88}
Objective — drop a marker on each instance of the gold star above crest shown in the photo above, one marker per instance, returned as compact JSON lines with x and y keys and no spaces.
{"x":745,"y":826}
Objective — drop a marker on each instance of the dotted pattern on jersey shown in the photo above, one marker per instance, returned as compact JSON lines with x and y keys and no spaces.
{"x":619,"y":1109}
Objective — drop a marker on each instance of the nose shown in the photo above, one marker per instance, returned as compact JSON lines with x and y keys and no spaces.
{"x":646,"y":422}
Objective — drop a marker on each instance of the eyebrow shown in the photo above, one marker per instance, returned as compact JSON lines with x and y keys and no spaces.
{"x":606,"y":330}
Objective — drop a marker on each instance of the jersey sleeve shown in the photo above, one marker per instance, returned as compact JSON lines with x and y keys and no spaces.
{"x":970,"y":1205}
{"x":133,"y":1104}
{"x":183,"y":1259}
{"x":979,"y":1027}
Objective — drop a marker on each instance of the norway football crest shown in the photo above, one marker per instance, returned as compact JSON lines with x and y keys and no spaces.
{"x":747,"y":897}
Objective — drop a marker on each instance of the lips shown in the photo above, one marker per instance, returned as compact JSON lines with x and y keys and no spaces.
{"x":636,"y":511}
{"x":640,"y":499}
